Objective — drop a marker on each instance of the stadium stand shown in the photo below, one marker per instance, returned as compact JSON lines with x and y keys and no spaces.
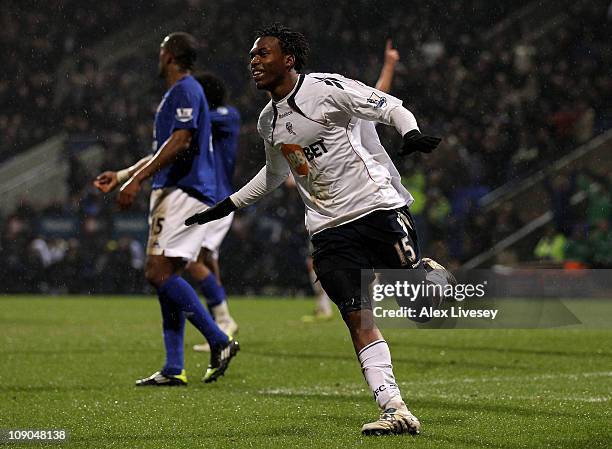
{"x":509,"y":102}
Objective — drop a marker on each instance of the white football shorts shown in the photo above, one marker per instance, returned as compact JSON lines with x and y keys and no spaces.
{"x":168,"y":235}
{"x":215,"y":233}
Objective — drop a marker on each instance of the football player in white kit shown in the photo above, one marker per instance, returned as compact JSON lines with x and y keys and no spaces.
{"x":320,"y":127}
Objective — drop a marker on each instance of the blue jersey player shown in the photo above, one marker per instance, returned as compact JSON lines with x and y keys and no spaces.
{"x":182,"y":168}
{"x":225,"y":121}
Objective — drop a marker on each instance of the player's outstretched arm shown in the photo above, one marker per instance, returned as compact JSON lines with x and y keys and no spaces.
{"x":385,"y":78}
{"x":109,"y":180}
{"x":272,"y":175}
{"x":367,"y":103}
{"x":219,"y":210}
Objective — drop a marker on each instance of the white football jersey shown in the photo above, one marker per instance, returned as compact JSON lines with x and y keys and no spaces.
{"x":324,"y":132}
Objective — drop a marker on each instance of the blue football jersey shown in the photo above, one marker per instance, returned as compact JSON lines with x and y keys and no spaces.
{"x":225,"y":122}
{"x":184,"y":106}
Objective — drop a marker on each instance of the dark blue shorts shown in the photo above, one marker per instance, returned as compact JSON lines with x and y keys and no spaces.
{"x":383,"y":239}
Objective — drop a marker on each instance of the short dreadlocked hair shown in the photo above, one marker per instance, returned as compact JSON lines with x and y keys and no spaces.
{"x":291,"y":42}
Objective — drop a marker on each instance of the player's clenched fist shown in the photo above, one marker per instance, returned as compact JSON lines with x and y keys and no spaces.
{"x":219,"y":210}
{"x":106,"y":181}
{"x":414,"y":142}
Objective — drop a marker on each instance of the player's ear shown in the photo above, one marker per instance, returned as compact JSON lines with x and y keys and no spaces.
{"x":289,"y":61}
{"x":165,"y":56}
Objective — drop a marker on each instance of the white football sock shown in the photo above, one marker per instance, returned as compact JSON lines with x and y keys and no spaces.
{"x":323,"y":302}
{"x":220,"y":312}
{"x":376,"y":366}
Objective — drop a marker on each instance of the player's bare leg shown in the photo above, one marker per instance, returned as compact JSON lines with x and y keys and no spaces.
{"x":211,"y":262}
{"x":363,"y":330}
{"x":159,"y":269}
{"x":323,"y":308}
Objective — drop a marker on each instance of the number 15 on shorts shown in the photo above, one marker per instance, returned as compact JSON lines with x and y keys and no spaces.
{"x":157,"y":225}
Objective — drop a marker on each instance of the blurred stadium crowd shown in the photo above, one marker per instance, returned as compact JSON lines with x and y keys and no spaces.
{"x":506,"y":102}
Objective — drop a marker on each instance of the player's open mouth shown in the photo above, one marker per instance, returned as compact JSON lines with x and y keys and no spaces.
{"x":257,"y":74}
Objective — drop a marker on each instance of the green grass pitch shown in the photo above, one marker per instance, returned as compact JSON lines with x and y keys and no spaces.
{"x":71,"y":363}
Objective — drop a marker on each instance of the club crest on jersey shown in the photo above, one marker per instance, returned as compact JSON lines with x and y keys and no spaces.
{"x":184,"y":115}
{"x":378,"y":101}
{"x":289,"y":127}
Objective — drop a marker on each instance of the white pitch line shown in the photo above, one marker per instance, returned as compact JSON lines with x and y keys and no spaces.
{"x":359,"y":390}
{"x":589,"y":399}
{"x":321,"y":391}
{"x":467,"y":380}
